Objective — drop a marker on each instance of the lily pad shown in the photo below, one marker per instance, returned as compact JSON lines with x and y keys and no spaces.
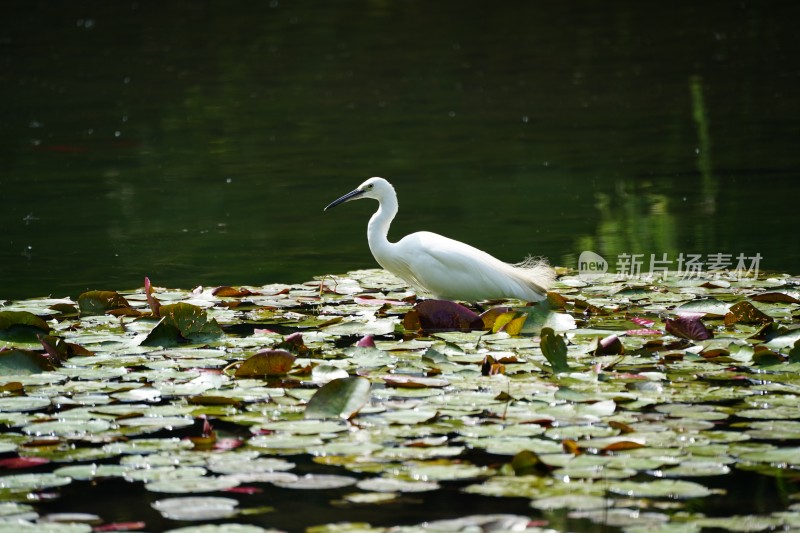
{"x":660,"y":489}
{"x":99,"y":302}
{"x":193,"y":484}
{"x":340,"y":398}
{"x":181,"y":323}
{"x":196,"y":508}
{"x":265,"y":364}
{"x":21,"y":326}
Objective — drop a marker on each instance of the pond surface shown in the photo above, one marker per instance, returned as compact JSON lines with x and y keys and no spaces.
{"x":197,"y":144}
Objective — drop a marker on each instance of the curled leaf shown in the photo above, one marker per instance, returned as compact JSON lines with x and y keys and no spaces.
{"x":182,"y":322}
{"x":100,"y":302}
{"x":610,"y":345}
{"x":555,"y":350}
{"x":527,"y":463}
{"x":21,"y":326}
{"x":366,"y":342}
{"x":152,"y":301}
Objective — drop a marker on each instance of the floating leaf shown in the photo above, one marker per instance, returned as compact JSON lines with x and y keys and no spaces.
{"x":746,"y":313}
{"x":541,"y":315}
{"x":660,"y":489}
{"x":555,"y":350}
{"x":21,"y":326}
{"x":527,"y":463}
{"x":415,"y":382}
{"x":16,"y":362}
{"x":610,"y":345}
{"x":490,"y":316}
{"x":61,"y":350}
{"x":442,"y":315}
{"x":704,"y":306}
{"x":231,"y":292}
{"x":383,"y":484}
{"x":366,"y":342}
{"x":29,"y":482}
{"x":266,"y":363}
{"x":571,"y":501}
{"x":340,"y":398}
{"x":763,"y":356}
{"x":688,"y":327}
{"x":99,"y":302}
{"x":16,"y":463}
{"x":196,"y":508}
{"x":193,"y":484}
{"x":794,"y":354}
{"x":22,"y":403}
{"x":318,"y":482}
{"x":182,"y":322}
{"x":776,"y":297}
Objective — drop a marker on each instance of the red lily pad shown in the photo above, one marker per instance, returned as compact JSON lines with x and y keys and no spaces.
{"x":16,"y":463}
{"x":366,"y":342}
{"x":442,"y":315}
{"x":610,"y":345}
{"x":152,"y":301}
{"x":688,"y":327}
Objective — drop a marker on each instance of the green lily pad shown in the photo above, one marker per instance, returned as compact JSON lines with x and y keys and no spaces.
{"x":99,"y":302}
{"x":318,"y":482}
{"x":660,"y":489}
{"x":196,"y":508}
{"x":21,"y":326}
{"x":67,"y":428}
{"x":93,"y":471}
{"x":783,"y":456}
{"x":23,"y":404}
{"x":17,"y":362}
{"x":31,"y":482}
{"x":340,"y":398}
{"x":392,"y":485}
{"x":222,"y":528}
{"x":181,"y":323}
{"x":193,"y":484}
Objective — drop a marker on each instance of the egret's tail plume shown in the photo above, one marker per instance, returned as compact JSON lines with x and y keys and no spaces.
{"x":538,"y":271}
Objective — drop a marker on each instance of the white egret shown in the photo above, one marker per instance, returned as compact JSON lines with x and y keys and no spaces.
{"x":445,"y":268}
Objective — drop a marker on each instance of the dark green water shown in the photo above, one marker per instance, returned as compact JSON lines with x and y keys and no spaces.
{"x":198,"y":143}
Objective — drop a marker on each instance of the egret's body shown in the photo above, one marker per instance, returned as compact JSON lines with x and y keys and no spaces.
{"x":443,"y":267}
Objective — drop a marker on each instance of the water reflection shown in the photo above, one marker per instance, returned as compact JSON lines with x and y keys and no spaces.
{"x":198,"y":144}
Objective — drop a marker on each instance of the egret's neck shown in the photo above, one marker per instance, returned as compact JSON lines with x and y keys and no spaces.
{"x":378,"y":230}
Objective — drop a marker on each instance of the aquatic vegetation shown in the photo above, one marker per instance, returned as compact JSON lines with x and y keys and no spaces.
{"x":631,"y":403}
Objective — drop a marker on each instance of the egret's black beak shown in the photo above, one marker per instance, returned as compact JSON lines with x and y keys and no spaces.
{"x":352,"y":195}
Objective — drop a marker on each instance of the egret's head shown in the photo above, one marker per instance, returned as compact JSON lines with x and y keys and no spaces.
{"x":376,"y":188}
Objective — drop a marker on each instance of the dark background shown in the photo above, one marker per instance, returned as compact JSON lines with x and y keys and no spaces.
{"x":197,"y":143}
